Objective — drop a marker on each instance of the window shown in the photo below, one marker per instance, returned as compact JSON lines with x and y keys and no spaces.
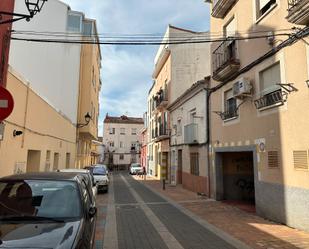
{"x":121,"y":157}
{"x":134,"y":131}
{"x":121,"y":144}
{"x":122,"y":131}
{"x":74,"y":22}
{"x":269,"y":78}
{"x":133,"y":146}
{"x":111,"y":143}
{"x":262,"y":6}
{"x":87,"y":29}
{"x":111,"y":131}
{"x":194,"y":163}
{"x":270,"y":91}
{"x":179,"y":128}
{"x":230,"y":105}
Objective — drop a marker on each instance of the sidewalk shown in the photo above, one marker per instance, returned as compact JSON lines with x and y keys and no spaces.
{"x":247,"y":227}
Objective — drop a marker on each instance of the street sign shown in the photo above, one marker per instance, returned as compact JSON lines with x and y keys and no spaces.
{"x":6,"y":103}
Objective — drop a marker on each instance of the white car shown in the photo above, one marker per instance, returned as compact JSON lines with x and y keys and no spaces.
{"x":89,"y":178}
{"x":136,"y":169}
{"x":100,"y":178}
{"x":104,"y":166}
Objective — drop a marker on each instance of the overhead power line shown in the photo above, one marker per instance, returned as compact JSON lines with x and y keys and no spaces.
{"x":144,"y":42}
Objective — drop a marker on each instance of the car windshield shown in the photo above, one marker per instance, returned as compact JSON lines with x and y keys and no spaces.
{"x":136,"y":166}
{"x":36,"y":198}
{"x":99,"y":171}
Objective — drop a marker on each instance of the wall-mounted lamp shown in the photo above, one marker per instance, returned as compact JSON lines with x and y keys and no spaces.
{"x":17,"y":133}
{"x":307,"y":82}
{"x":33,"y":7}
{"x":87,"y":120}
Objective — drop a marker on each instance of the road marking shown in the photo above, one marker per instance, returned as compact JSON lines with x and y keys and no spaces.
{"x":166,"y":236}
{"x":111,"y":236}
{"x":4,"y":103}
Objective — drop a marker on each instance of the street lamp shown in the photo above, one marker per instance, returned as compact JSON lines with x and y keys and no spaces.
{"x":87,"y":120}
{"x":33,"y":7}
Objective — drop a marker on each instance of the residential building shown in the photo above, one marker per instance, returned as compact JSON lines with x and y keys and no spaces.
{"x":97,"y":152}
{"x":37,"y":137}
{"x":259,"y":108}
{"x":46,"y":81}
{"x":189,"y":150}
{"x":5,"y":35}
{"x":144,"y":143}
{"x":122,"y":140}
{"x":89,"y":91}
{"x":176,"y":68}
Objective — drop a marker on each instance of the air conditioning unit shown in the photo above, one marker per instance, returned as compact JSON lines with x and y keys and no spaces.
{"x":242,"y":88}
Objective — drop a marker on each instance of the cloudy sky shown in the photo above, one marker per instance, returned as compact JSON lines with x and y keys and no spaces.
{"x":126,"y":70}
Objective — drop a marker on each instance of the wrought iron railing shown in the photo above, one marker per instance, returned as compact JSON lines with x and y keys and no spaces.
{"x":226,"y":53}
{"x":160,"y":97}
{"x":229,"y":114}
{"x":293,"y":3}
{"x":277,"y":97}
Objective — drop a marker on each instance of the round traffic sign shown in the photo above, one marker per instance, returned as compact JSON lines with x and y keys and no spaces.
{"x":6,"y":103}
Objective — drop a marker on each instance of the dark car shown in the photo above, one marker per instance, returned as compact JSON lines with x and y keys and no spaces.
{"x":46,"y":210}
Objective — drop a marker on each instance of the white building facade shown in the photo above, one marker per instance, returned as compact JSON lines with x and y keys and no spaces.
{"x":52,"y":69}
{"x":189,"y":153}
{"x":122,"y":140}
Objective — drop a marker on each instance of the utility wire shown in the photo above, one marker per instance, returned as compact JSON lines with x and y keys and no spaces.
{"x":145,"y":42}
{"x":115,"y":35}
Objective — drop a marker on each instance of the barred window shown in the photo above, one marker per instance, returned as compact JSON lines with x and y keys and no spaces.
{"x":194,"y":164}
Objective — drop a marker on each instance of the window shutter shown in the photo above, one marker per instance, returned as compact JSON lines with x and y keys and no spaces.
{"x":270,"y":77}
{"x":300,"y":159}
{"x":230,"y":28}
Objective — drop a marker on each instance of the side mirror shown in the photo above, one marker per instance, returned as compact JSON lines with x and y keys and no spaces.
{"x":92,"y":212}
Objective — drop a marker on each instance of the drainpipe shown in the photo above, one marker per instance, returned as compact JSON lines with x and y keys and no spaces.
{"x":208,"y":94}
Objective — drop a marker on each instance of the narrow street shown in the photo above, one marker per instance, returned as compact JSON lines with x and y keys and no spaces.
{"x":139,"y":218}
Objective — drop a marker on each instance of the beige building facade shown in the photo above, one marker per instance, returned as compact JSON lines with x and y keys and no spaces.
{"x":176,"y":69}
{"x":89,"y":91}
{"x":36,"y":136}
{"x":259,"y":108}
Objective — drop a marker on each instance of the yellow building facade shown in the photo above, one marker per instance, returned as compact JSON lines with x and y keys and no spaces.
{"x":46,"y":140}
{"x":89,"y":90}
{"x":158,"y":127}
{"x":259,"y":108}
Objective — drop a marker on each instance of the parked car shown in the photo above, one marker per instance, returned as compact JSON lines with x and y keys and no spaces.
{"x":101,"y":178}
{"x":104,"y":166}
{"x":136,"y":169}
{"x":46,"y":210}
{"x":88,"y":178}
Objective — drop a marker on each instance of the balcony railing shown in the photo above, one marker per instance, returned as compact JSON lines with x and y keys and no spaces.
{"x":276,"y":98}
{"x":190,"y":134}
{"x":161,"y":133}
{"x":161,"y":99}
{"x":298,"y":12}
{"x":225,"y":60}
{"x":221,"y":7}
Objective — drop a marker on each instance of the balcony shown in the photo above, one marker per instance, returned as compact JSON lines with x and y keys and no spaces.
{"x":269,"y":100}
{"x":161,"y":100}
{"x":225,"y":61}
{"x":298,"y":12}
{"x":161,"y":133}
{"x":191,"y":134}
{"x":221,"y":7}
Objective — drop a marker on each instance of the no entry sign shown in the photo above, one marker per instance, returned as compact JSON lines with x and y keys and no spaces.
{"x":6,"y":103}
